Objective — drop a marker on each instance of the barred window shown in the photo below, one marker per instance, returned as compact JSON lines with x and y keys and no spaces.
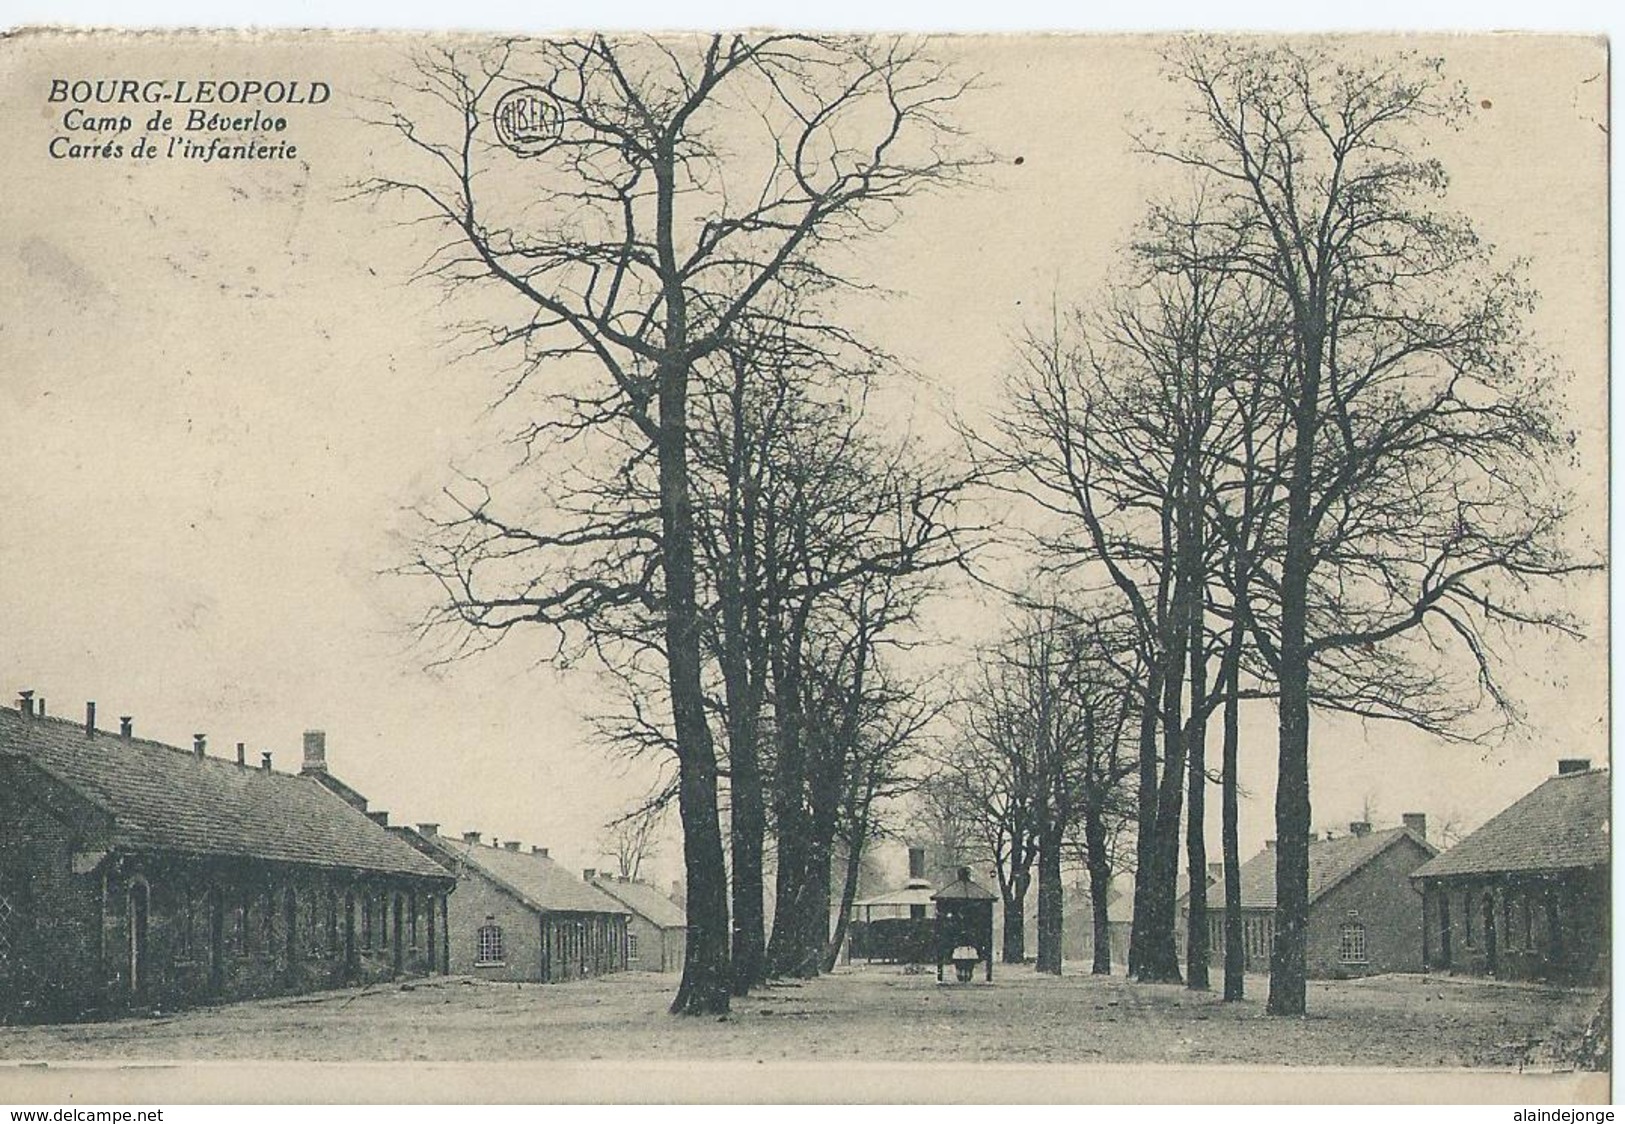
{"x":1351,"y":946}
{"x":631,"y":946}
{"x":489,"y":945}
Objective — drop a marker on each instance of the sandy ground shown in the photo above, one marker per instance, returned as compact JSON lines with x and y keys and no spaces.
{"x":865,"y":1013}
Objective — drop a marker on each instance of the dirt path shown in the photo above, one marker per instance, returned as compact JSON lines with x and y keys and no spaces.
{"x":870,"y":1014}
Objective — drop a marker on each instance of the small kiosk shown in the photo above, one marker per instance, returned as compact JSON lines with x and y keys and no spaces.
{"x":964,"y":920}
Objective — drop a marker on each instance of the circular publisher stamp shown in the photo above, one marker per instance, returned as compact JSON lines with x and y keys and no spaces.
{"x":527,"y":120}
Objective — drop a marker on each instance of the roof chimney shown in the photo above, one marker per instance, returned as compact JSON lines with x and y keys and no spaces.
{"x":964,"y":874}
{"x":589,"y":874}
{"x":916,"y":862}
{"x":1417,"y":822}
{"x":199,"y":743}
{"x":39,"y":706}
{"x":1567,"y":765}
{"x":315,"y":752}
{"x":1269,"y":844}
{"x":242,"y":754}
{"x":25,"y":703}
{"x":379,"y":818}
{"x":265,"y":761}
{"x":126,"y":726}
{"x":429,"y":829}
{"x":1215,"y":873}
{"x":471,"y":837}
{"x":90,"y":720}
{"x":535,"y":850}
{"x":512,"y":845}
{"x":1359,"y":829}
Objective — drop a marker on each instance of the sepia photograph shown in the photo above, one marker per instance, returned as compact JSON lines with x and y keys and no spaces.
{"x":797,"y":566}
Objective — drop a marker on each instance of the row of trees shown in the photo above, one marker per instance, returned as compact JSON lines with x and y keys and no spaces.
{"x":1299,"y":453}
{"x":1306,"y":444}
{"x":702,"y":500}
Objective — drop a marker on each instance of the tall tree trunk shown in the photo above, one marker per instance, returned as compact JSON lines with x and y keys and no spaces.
{"x":1145,"y":815}
{"x":849,"y":894}
{"x":1051,"y":904}
{"x":1196,"y":932}
{"x":1288,"y":982}
{"x":792,"y":825}
{"x":742,"y":661}
{"x":747,"y":829}
{"x":707,"y":976}
{"x":1015,"y":917}
{"x":1159,"y":961}
{"x":1100,"y":886}
{"x":1235,"y":952}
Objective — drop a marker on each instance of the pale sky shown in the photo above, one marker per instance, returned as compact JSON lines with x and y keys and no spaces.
{"x":218,"y":395}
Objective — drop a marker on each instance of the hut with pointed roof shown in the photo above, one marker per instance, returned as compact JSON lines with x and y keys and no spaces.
{"x":1527,"y":895}
{"x":518,"y":915}
{"x":136,"y":875}
{"x":1364,"y":916}
{"x":656,"y":926}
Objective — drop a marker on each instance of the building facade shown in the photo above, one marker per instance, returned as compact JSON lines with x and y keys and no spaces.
{"x":1527,"y":895}
{"x":656,"y":926}
{"x":517,"y":915}
{"x":1365,"y":917}
{"x":138,"y":876}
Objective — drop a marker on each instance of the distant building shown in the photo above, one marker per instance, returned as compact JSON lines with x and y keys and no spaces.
{"x":1365,"y":917}
{"x":896,"y":926}
{"x":518,"y":915}
{"x":656,"y":926}
{"x":1078,"y":922}
{"x":1527,"y":895}
{"x":137,"y":875}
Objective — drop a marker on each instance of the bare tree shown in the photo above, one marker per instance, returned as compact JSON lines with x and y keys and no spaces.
{"x":634,"y":838}
{"x":689,"y":182}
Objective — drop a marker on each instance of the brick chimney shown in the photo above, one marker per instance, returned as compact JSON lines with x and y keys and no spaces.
{"x":199,"y":745}
{"x":1359,"y":829}
{"x":589,"y":874}
{"x":265,"y":761}
{"x":25,"y":703}
{"x":90,"y":720}
{"x":1215,"y":872}
{"x":1269,"y":844}
{"x":126,"y":727}
{"x":511,"y":845}
{"x":1417,"y":822}
{"x":916,"y":862}
{"x":535,"y":850}
{"x":1567,"y":765}
{"x":429,"y":830}
{"x":471,"y":837}
{"x":315,"y":752}
{"x":242,"y":754}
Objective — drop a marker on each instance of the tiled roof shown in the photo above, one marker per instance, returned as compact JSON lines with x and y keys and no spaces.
{"x":535,"y":879}
{"x":161,"y":798}
{"x":646,"y":901}
{"x":1330,"y":862}
{"x":1561,"y":825}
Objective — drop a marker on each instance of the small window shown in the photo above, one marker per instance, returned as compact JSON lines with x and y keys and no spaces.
{"x":489,"y":949}
{"x":412,"y":919}
{"x":366,"y":921}
{"x":1507,"y":926}
{"x":1351,"y":945}
{"x":631,"y":946}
